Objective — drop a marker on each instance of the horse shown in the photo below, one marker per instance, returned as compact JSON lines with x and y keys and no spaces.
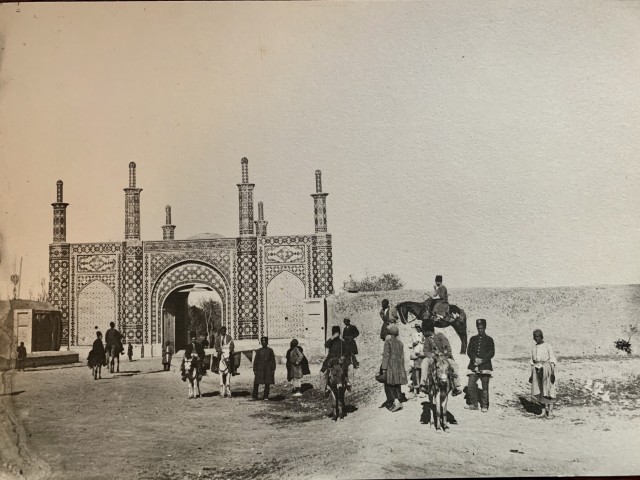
{"x":420,"y":311}
{"x":225,"y":369}
{"x":337,"y":383}
{"x":193,"y":373}
{"x":113,"y":357}
{"x":95,"y":364}
{"x":439,"y":385}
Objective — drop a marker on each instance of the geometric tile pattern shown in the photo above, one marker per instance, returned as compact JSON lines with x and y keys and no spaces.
{"x":96,"y":307}
{"x":59,"y":284}
{"x":284,"y":254}
{"x":285,"y":318}
{"x":96,"y":263}
{"x":179,"y":276}
{"x":248,"y":317}
{"x":132,"y":300}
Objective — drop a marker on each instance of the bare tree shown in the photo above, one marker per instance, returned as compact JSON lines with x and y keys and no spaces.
{"x":212,"y":313}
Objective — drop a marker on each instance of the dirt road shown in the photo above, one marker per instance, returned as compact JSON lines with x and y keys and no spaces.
{"x":139,"y":424}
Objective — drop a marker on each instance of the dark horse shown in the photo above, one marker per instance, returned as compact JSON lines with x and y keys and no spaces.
{"x":420,"y":311}
{"x":337,"y":383}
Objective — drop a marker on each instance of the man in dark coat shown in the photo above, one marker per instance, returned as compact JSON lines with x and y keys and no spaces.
{"x":22,"y":356}
{"x":264,"y":367}
{"x":191,"y":349}
{"x":393,"y":368}
{"x":113,"y":337}
{"x":481,"y":350}
{"x":349,"y":335}
{"x":339,"y":351}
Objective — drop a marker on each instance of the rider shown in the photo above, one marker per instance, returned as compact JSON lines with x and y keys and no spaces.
{"x":224,"y":347}
{"x":440,"y":300}
{"x":189,"y":350}
{"x":339,"y":351}
{"x":114,"y":337}
{"x":438,"y":343}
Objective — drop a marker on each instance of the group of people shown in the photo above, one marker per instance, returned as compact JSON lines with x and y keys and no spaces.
{"x":113,"y":339}
{"x":425,"y":344}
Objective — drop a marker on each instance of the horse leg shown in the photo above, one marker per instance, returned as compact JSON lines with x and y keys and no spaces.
{"x":460,"y":326}
{"x":335,"y":396}
{"x":445,"y":401}
{"x":222,"y":390}
{"x":343,"y":406}
{"x":197,"y":392}
{"x":229,"y":384}
{"x":438,"y":399}
{"x":118,"y":361}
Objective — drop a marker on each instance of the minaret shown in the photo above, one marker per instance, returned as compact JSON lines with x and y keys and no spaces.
{"x":261,"y":223}
{"x":320,"y":205}
{"x":132,"y":207}
{"x":245,"y":191}
{"x":167,"y":229}
{"x":321,"y":249}
{"x":59,"y":216}
{"x":59,"y":261}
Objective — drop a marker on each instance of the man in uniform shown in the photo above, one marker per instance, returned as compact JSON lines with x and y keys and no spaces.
{"x":481,"y":350}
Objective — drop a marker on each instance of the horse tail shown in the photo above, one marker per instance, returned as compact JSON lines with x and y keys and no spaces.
{"x":460,"y":326}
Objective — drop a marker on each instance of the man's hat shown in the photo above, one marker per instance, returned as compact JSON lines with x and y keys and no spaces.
{"x":438,"y":278}
{"x":393,"y":330}
{"x":347,"y":320}
{"x":417,"y":325}
{"x":481,"y":322}
{"x":335,"y":329}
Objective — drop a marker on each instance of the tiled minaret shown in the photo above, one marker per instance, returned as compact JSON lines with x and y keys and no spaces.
{"x":132,"y":207}
{"x":322,"y":257}
{"x":59,"y":260}
{"x":130,"y":322}
{"x":168,"y":228}
{"x":261,"y":223}
{"x":320,"y":205}
{"x":245,"y":191}
{"x":247,"y":314}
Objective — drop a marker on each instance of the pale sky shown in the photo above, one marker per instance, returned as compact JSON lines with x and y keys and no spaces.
{"x":495,"y":143}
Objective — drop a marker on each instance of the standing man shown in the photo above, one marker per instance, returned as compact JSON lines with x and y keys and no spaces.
{"x":388,"y":317}
{"x":22,"y":356}
{"x":264,"y":368}
{"x":113,"y":337}
{"x":349,"y":334}
{"x":440,"y":299}
{"x":481,"y":350}
{"x":393,"y":369}
{"x":417,"y":348}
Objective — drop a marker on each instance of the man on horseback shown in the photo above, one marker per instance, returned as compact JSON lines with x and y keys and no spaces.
{"x":191,"y":349}
{"x":339,"y":351}
{"x":438,"y":343}
{"x":114,"y":337}
{"x":223,"y":343}
{"x":438,"y":303}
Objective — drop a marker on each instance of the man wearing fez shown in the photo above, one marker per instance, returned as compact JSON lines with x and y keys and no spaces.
{"x":481,"y":350}
{"x":349,"y":334}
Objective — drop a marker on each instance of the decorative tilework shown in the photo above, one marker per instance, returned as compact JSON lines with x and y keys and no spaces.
{"x":179,"y":276}
{"x":96,"y":307}
{"x":284,"y":254}
{"x":96,"y":263}
{"x":285,"y":317}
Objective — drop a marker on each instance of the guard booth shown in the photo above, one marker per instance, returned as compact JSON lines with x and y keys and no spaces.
{"x":315,"y":324}
{"x":37,"y":324}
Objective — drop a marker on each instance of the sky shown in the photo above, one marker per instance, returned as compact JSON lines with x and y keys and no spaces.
{"x":494,"y":143}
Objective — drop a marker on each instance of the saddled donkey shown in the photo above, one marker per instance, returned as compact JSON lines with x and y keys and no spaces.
{"x":420,"y":311}
{"x":225,"y":368}
{"x":193,"y":374}
{"x":337,"y":383}
{"x":439,"y":385}
{"x":113,"y":357}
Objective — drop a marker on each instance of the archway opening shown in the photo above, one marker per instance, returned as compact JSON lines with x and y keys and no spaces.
{"x":205,"y":312}
{"x":190,"y":308}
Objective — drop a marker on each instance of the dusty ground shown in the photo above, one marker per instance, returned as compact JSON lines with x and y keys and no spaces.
{"x":59,"y":423}
{"x":139,"y":424}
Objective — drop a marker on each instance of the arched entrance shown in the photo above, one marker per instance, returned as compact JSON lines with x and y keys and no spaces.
{"x":169,"y":300}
